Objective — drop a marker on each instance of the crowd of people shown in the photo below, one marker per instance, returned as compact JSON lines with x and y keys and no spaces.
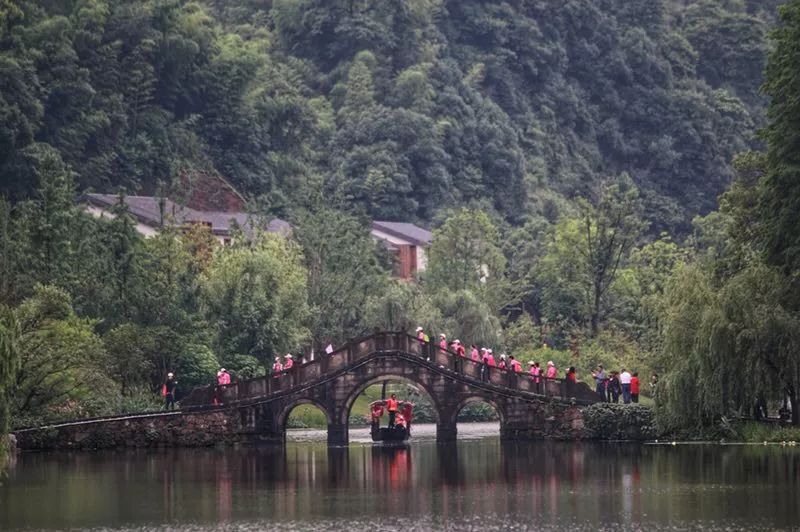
{"x":615,"y":384}
{"x":611,"y":386}
{"x":486,"y":356}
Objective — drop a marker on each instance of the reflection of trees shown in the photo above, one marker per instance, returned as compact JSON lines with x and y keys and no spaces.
{"x":542,"y":481}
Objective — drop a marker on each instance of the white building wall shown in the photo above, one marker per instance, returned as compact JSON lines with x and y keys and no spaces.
{"x":380,"y":235}
{"x":98,"y":212}
{"x":422,"y":257}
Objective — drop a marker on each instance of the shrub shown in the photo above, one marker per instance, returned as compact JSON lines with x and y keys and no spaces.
{"x":609,"y":421}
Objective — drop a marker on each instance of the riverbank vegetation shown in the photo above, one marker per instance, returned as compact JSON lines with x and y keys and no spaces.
{"x":569,"y":158}
{"x":752,"y":432}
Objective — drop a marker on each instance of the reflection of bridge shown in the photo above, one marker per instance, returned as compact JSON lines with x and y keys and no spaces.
{"x":257,"y":409}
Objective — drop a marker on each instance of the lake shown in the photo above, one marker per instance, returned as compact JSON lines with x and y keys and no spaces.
{"x":477,"y":484}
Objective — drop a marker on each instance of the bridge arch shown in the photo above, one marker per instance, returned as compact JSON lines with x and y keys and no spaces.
{"x":501,"y":413}
{"x":359,"y":389}
{"x":283,"y":414}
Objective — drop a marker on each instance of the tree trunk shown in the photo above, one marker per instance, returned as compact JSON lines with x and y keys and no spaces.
{"x":595,"y":324}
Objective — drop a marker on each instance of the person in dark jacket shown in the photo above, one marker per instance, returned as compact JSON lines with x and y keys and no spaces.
{"x":170,"y":388}
{"x":614,"y":388}
{"x":600,"y":379}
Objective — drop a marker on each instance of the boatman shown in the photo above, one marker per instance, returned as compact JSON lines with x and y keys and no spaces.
{"x":391,"y":407}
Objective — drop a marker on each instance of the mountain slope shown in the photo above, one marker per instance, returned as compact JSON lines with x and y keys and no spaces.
{"x":398,"y":109}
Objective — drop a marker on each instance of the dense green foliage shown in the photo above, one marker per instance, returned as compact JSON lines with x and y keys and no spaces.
{"x":731,"y":323}
{"x":255,"y":296}
{"x":568,"y":155}
{"x":393,"y":108}
{"x":9,"y":365}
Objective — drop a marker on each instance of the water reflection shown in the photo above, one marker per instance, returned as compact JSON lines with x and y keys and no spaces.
{"x":478,"y":484}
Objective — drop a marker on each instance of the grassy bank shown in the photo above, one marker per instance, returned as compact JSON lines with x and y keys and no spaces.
{"x":753,"y":432}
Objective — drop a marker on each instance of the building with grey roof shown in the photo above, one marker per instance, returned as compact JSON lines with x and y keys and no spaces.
{"x":152,"y":213}
{"x":406,"y":242}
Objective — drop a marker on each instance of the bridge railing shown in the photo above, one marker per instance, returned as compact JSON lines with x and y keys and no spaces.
{"x":309,"y":371}
{"x":356,"y":350}
{"x":523,"y":381}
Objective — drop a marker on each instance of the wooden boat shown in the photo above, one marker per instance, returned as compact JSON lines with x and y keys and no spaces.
{"x":401,"y":431}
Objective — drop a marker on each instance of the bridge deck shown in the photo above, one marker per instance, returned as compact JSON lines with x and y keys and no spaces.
{"x":350,"y":358}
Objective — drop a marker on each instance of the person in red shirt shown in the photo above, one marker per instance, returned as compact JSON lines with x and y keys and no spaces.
{"x":635,"y":387}
{"x":571,"y":375}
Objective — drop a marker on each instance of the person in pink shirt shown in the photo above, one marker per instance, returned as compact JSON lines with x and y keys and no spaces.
{"x":491,"y":358}
{"x":443,"y":343}
{"x":502,"y":364}
{"x":474,"y":355}
{"x":277,"y":367}
{"x":459,"y":348}
{"x":551,"y":370}
{"x":536,"y":375}
{"x":289,"y":362}
{"x":223,"y":378}
{"x":514,"y":364}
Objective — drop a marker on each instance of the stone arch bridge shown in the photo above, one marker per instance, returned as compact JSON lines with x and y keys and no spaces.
{"x":256,"y":410}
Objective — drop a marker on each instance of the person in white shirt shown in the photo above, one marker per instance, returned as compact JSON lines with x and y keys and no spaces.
{"x":625,"y":381}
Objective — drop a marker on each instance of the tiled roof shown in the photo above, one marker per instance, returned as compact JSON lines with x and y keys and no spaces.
{"x":406,"y":231}
{"x":147,"y":209}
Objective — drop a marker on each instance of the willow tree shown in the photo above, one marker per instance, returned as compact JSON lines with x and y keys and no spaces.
{"x":726,"y":346}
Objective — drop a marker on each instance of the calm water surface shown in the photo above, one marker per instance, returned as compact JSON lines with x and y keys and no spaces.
{"x":478,"y":484}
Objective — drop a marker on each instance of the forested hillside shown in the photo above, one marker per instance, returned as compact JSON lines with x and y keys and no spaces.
{"x":592,"y":170}
{"x":397,"y":109}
